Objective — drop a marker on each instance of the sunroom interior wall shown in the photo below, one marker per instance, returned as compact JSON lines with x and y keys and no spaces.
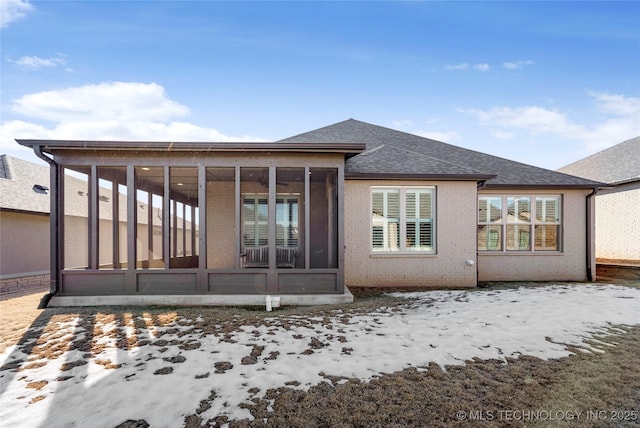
{"x":221,"y":233}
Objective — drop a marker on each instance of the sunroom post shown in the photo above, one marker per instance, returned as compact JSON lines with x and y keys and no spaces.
{"x":92,"y":218}
{"x":174,"y":230}
{"x":272,"y":278}
{"x":202,"y":217}
{"x":56,"y":226}
{"x":166,"y":221}
{"x":237,"y":219}
{"x":307,"y":217}
{"x":203,"y":278}
{"x":149,"y":226}
{"x":132,"y":230}
{"x":115,"y":224}
{"x":192,"y":231}
{"x":340,"y":189}
{"x":331,"y":192}
{"x":184,"y":230}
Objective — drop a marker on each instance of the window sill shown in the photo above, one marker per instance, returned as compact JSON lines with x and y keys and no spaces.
{"x":412,"y":255}
{"x":520,"y":253}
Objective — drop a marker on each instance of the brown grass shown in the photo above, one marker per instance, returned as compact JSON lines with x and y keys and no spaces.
{"x":482,"y":393}
{"x":487,"y":393}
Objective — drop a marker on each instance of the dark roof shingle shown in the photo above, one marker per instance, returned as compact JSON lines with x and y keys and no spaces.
{"x":617,"y":164}
{"x":403,"y":153}
{"x":17,"y":183}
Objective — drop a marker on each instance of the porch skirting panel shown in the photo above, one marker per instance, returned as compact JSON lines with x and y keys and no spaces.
{"x":167,"y":283}
{"x":201,"y":300}
{"x":305,"y":283}
{"x":199,"y":282}
{"x":238,"y":283}
{"x":78,"y":283}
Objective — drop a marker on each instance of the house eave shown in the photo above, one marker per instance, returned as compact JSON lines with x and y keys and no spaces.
{"x":23,"y":211}
{"x":541,"y":186}
{"x":397,"y":176}
{"x":51,"y":146}
{"x":626,"y":181}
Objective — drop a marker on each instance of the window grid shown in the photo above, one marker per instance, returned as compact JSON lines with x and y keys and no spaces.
{"x":402,"y":219}
{"x":511,"y":230}
{"x":287,"y":221}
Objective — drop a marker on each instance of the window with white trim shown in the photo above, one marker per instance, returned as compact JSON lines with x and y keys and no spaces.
{"x":402,"y":219}
{"x":547,"y":227}
{"x":287,"y":221}
{"x":515,"y":223}
{"x":255,"y":216}
{"x":255,"y":225}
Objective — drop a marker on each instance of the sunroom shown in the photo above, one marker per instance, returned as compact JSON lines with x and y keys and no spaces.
{"x":212,"y":223}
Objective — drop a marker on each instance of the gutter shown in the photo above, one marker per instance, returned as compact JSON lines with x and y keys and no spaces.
{"x":589,"y":231}
{"x":53,"y":222}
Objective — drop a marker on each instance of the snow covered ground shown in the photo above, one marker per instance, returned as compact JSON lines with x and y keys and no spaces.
{"x":169,"y":371}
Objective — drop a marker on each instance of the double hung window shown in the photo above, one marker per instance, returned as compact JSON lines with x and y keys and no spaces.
{"x":402,"y":219}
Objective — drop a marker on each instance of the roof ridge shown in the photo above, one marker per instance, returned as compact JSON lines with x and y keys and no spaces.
{"x":368,"y":152}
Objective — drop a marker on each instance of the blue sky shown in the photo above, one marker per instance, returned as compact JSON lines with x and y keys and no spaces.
{"x":545,"y":83}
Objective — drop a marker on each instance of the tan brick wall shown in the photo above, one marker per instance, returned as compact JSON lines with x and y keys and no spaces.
{"x":618,"y":225}
{"x":221,"y":225}
{"x":24,"y":243}
{"x":455,"y":240}
{"x":566,"y":265}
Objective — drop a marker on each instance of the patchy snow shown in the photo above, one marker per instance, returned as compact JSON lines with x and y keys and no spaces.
{"x":169,"y":370}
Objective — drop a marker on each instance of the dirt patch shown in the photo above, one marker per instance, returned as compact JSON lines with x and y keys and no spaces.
{"x":17,"y":315}
{"x":476,"y":394}
{"x":486,"y":393}
{"x":37,"y":385}
{"x":164,"y":371}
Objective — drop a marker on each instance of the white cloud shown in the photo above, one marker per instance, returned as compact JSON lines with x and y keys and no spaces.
{"x":617,"y":104}
{"x":515,"y":65}
{"x":618,"y":121}
{"x":462,"y":66}
{"x":140,"y":131}
{"x":12,"y":10}
{"x":467,"y":66}
{"x":35,"y":63}
{"x":105,"y":111}
{"x":11,"y":130}
{"x":536,"y":120}
{"x":121,"y":101}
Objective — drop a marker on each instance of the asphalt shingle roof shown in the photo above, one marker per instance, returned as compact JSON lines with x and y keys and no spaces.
{"x":394,"y":152}
{"x":617,"y":164}
{"x":17,"y":181}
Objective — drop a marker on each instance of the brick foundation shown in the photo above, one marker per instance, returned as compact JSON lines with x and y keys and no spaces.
{"x":24,"y":284}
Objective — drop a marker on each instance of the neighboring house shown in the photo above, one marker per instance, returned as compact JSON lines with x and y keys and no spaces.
{"x":350,"y":204}
{"x":24,"y":224}
{"x":617,"y":219}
